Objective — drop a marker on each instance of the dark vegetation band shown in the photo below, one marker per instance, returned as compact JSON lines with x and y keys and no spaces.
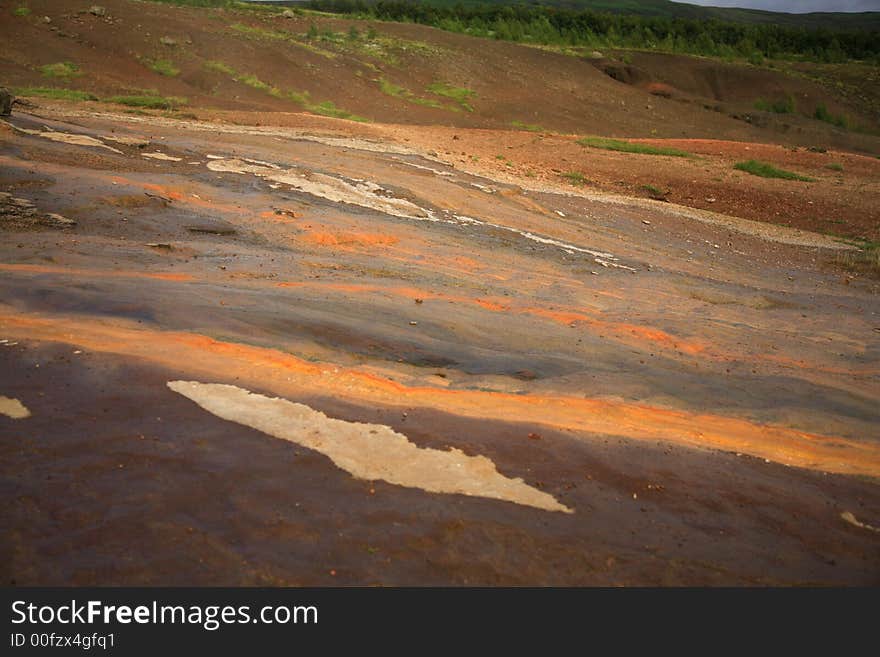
{"x":573,"y":27}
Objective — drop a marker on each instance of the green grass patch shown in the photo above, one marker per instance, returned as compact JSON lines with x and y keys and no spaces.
{"x":834,"y":166}
{"x":765,"y":170}
{"x":164,"y":67}
{"x":655,"y":192}
{"x":396,"y":91}
{"x":866,"y":260}
{"x":575,"y":178}
{"x":301,"y":98}
{"x":623,"y":146}
{"x":327,"y":108}
{"x":778,"y":106}
{"x":54,"y":92}
{"x":839,"y":120}
{"x":254,"y":82}
{"x":148,"y":101}
{"x":219,"y":67}
{"x":60,"y":70}
{"x":281,"y":35}
{"x":460,"y":95}
{"x":530,"y":127}
{"x":21,"y":11}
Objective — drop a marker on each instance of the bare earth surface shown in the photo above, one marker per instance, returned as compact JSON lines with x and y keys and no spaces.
{"x":478,"y":380}
{"x":242,"y":343}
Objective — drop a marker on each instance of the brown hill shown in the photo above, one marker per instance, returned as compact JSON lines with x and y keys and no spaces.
{"x":245,"y":60}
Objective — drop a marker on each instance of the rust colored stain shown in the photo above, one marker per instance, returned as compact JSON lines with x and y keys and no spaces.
{"x":405,"y":292}
{"x":197,"y":354}
{"x":178,"y":195}
{"x":349,"y":239}
{"x":640,"y":337}
{"x":96,"y":273}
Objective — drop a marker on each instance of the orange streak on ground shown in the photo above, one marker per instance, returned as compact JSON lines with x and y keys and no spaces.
{"x":98,"y":273}
{"x":214,"y":360}
{"x":179,"y":195}
{"x":357,"y":239}
{"x":631,"y":334}
{"x":406,"y":292}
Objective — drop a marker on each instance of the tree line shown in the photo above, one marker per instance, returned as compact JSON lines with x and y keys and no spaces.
{"x":591,"y":29}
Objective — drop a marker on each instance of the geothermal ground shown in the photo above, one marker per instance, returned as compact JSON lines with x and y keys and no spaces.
{"x":318,"y":354}
{"x":245,"y":341}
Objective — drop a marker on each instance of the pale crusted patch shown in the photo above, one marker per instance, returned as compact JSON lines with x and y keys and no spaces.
{"x":13,"y":408}
{"x":356,"y":192}
{"x":68,"y":138}
{"x":848,"y":517}
{"x":161,"y":156}
{"x":366,"y":451}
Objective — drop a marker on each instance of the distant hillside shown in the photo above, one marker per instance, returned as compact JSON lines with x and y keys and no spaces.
{"x":585,"y":28}
{"x":836,"y":21}
{"x":827,"y":20}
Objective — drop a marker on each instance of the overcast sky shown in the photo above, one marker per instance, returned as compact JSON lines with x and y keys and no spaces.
{"x":794,"y":6}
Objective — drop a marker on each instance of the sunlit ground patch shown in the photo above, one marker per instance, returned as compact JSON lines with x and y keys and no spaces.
{"x":366,"y":451}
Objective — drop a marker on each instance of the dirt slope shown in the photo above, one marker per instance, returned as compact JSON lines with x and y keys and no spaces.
{"x":510,"y":83}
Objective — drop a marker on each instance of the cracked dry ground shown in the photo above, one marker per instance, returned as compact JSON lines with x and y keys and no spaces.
{"x":279,"y":357}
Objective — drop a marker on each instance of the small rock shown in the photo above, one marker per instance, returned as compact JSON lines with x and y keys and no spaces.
{"x":420,"y":301}
{"x":646,"y":222}
{"x":413,"y":323}
{"x":534,"y":436}
{"x":168,"y":41}
{"x":97,"y":10}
